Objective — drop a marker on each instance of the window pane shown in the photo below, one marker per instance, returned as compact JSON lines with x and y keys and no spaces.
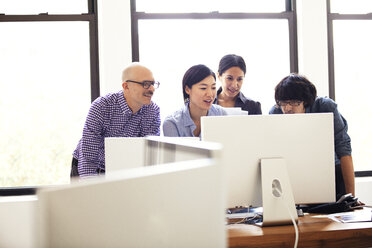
{"x":45,"y":87}
{"x":351,"y":7}
{"x":24,"y":7}
{"x":352,"y":81}
{"x":186,"y":6}
{"x":171,"y":47}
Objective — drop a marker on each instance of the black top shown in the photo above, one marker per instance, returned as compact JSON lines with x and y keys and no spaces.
{"x":246,"y":104}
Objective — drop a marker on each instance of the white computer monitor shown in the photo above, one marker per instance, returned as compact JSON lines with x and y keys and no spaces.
{"x":304,"y":141}
{"x":178,"y":204}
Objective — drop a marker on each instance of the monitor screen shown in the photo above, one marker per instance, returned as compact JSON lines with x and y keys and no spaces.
{"x":304,"y":141}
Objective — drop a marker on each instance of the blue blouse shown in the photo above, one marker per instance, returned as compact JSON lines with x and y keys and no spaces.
{"x":180,"y":124}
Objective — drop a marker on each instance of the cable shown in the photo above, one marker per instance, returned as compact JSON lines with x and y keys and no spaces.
{"x":278,"y":193}
{"x":294,"y":223}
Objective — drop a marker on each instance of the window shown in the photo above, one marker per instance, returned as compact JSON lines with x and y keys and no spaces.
{"x":47,"y":73}
{"x":349,"y":72}
{"x":170,"y":42}
{"x":192,"y":6}
{"x":27,"y":7}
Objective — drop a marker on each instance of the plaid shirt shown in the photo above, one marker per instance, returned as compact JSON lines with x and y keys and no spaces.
{"x":110,"y":116}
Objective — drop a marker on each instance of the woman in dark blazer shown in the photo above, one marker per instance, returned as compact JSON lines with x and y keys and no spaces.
{"x":231,"y":72}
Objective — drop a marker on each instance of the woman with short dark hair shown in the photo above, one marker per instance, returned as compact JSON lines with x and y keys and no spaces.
{"x":296,"y":94}
{"x":199,"y":91}
{"x":231,"y":73}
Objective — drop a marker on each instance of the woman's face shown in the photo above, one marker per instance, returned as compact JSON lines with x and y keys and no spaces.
{"x":232,"y":81}
{"x":202,"y":94}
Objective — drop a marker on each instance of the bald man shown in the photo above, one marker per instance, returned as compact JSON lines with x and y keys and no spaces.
{"x":127,"y":113}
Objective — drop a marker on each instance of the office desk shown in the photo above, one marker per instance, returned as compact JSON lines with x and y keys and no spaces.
{"x":313,"y":232}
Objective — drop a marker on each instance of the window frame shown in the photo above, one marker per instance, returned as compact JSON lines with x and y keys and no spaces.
{"x":289,"y":14}
{"x":331,"y":62}
{"x":90,"y":17}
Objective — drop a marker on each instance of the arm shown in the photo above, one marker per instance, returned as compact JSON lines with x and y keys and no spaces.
{"x":257,"y":109}
{"x":348,"y":174}
{"x":170,"y":129}
{"x":152,"y":126}
{"x":343,"y":148}
{"x":91,"y":142}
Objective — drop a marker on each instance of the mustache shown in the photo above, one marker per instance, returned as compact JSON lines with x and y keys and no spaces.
{"x":148,"y":93}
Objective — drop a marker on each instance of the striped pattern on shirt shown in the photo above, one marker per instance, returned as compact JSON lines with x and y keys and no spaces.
{"x":110,"y":116}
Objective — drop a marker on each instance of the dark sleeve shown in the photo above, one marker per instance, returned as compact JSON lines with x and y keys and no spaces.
{"x":342,"y":139}
{"x":253,"y":108}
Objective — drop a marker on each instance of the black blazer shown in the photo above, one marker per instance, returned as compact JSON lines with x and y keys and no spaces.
{"x":246,"y":104}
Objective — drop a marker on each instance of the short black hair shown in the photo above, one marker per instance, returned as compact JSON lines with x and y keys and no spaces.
{"x":194,"y":75}
{"x":231,"y":60}
{"x":295,"y":87}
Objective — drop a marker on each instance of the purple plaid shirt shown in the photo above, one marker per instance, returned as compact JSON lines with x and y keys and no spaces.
{"x":110,"y":116}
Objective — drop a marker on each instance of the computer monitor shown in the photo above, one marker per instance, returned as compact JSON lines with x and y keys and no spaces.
{"x":128,"y":152}
{"x":169,"y":205}
{"x":304,"y":141}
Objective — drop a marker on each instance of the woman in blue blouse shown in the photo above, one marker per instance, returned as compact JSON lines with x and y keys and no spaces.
{"x":199,"y":92}
{"x":296,"y":94}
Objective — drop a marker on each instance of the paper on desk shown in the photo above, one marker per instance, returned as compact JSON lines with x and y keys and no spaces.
{"x":240,"y":215}
{"x":235,"y":111}
{"x":364,"y":215}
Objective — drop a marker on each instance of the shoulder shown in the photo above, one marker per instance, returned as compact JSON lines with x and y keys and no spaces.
{"x":216,"y":110}
{"x":275,"y":110}
{"x":176,"y":116}
{"x":253,"y":107}
{"x":108,"y":99}
{"x":323,"y":104}
{"x":152,"y":108}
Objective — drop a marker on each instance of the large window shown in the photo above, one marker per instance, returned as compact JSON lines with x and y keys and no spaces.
{"x":349,"y":72}
{"x":47,"y":81}
{"x":169,"y":42}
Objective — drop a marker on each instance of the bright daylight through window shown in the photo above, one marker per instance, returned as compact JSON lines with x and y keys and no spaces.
{"x":45,"y":86}
{"x":352,"y":62}
{"x":171,"y":46}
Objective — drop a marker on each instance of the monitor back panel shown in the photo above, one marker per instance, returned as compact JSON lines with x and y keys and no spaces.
{"x":305,"y":141}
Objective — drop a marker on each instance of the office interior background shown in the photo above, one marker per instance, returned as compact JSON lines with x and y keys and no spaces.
{"x":58,"y":56}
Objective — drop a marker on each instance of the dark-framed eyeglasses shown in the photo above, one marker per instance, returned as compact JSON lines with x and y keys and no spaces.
{"x":146,"y":84}
{"x":293,"y":103}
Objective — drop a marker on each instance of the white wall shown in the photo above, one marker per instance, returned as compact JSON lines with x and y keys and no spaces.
{"x":363,"y":188}
{"x":115,"y":53}
{"x":312,"y":42}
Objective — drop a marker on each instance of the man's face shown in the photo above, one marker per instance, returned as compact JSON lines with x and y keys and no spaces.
{"x":292,"y":107}
{"x":136,"y":95}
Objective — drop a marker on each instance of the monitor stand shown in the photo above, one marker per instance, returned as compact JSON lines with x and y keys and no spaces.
{"x":277,"y":197}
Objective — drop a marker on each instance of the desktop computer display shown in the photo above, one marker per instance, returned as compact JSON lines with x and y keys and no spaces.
{"x":304,"y":141}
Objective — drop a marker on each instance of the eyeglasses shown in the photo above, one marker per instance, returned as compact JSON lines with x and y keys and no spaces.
{"x":293,"y":103}
{"x":146,"y":84}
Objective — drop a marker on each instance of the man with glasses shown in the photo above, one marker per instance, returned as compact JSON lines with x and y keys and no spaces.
{"x":126,"y":113}
{"x":296,"y":94}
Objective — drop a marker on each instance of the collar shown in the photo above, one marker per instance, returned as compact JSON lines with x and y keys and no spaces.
{"x":186,"y":112}
{"x":241,"y":98}
{"x":124,"y":105}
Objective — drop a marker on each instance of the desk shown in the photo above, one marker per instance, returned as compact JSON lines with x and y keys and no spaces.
{"x":313,"y":232}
